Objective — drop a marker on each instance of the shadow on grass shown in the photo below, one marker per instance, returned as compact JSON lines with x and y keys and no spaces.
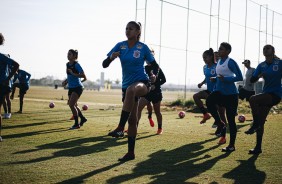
{"x":174,"y":166}
{"x":26,"y":125}
{"x":74,"y":147}
{"x":248,"y":172}
{"x":80,"y":179}
{"x":26,"y":134}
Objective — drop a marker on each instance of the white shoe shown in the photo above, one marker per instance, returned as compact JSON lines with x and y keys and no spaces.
{"x":8,"y":116}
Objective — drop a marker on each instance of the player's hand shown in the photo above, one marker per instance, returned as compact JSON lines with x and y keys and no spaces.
{"x":200,"y":85}
{"x":64,"y":83}
{"x":152,"y":77}
{"x":115,"y":55}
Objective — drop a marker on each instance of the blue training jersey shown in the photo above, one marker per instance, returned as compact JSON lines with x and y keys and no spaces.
{"x":132,"y":62}
{"x":22,"y":76}
{"x":209,"y":72}
{"x":272,"y":74}
{"x":74,"y":81}
{"x":231,"y":74}
{"x":5,"y":62}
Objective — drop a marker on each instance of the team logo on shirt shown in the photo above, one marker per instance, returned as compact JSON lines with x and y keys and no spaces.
{"x":123,"y":47}
{"x":136,"y":54}
{"x":275,"y":68}
{"x":212,"y":71}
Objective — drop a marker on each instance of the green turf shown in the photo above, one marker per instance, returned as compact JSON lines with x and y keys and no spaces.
{"x":37,"y":146}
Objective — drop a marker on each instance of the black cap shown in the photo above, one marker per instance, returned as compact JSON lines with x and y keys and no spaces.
{"x":246,"y":61}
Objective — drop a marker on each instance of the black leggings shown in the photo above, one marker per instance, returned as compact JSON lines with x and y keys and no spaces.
{"x":230,"y":102}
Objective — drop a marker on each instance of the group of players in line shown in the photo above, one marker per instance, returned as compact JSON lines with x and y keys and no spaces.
{"x":141,"y":86}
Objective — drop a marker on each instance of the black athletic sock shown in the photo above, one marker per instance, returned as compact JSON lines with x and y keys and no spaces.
{"x":123,"y":119}
{"x":81,"y":115}
{"x":5,"y":109}
{"x":160,"y":126}
{"x":203,"y":110}
{"x":131,"y":144}
{"x":259,"y":138}
{"x":75,"y":120}
{"x":149,"y":115}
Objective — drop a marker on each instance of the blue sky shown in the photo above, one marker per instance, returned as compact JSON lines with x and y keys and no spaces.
{"x":39,"y":34}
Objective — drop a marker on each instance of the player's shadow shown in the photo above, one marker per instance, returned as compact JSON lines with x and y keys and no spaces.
{"x":33,"y":133}
{"x":35,"y":124}
{"x":248,"y":172}
{"x":174,"y":166}
{"x":74,"y":147}
{"x":175,"y":163}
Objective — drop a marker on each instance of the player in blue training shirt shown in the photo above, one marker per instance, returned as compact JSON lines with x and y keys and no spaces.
{"x":209,"y":70}
{"x":5,"y":77}
{"x":155,"y":96}
{"x":74,"y":75}
{"x":225,"y":93}
{"x":271,"y":71}
{"x":23,"y":77}
{"x":135,"y":82}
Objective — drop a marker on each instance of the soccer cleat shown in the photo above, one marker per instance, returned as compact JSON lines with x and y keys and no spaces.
{"x":127,"y":157}
{"x":222,"y":140}
{"x":252,"y":130}
{"x":72,"y":118}
{"x":20,"y":112}
{"x":206,"y":117}
{"x":228,"y":149}
{"x":160,"y":131}
{"x":8,"y":115}
{"x":74,"y":127}
{"x":214,"y":125}
{"x":220,"y":130}
{"x":255,"y":151}
{"x":116,"y":133}
{"x":151,"y":122}
{"x":82,"y":121}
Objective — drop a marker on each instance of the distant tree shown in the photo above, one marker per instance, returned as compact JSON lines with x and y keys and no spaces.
{"x":108,"y":81}
{"x":117,"y":81}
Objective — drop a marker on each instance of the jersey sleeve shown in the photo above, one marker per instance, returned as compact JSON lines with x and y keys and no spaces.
{"x":148,"y":54}
{"x":78,"y":68}
{"x":116,"y":48}
{"x":233,"y":66}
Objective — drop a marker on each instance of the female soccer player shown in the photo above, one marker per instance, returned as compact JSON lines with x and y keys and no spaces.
{"x":209,"y":71}
{"x":5,"y":77}
{"x":74,"y":75}
{"x":23,"y":77}
{"x":225,"y":93}
{"x":135,"y":82}
{"x":155,"y":95}
{"x":271,"y":71}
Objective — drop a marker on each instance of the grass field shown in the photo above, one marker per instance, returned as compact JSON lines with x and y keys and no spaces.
{"x":37,"y":146}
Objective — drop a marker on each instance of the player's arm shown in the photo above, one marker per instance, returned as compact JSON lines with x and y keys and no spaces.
{"x":108,"y":60}
{"x":84,"y":77}
{"x":14,"y":68}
